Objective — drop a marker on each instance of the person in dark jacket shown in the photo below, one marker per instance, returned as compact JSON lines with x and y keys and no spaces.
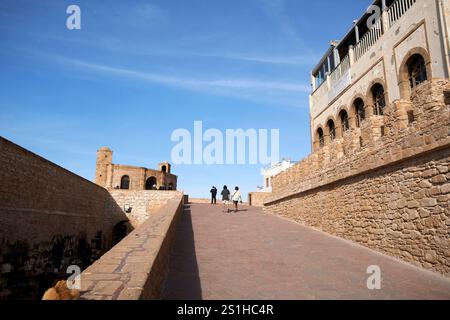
{"x":225,"y":198}
{"x":213,"y":195}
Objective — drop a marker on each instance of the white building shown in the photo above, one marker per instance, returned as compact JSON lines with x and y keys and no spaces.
{"x":269,"y":172}
{"x":380,"y":61}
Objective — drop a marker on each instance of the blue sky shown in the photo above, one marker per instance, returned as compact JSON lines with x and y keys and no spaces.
{"x":139,"y":69}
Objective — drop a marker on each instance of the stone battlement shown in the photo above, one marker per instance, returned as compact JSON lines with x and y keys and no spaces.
{"x":351,"y":156}
{"x":388,"y":191}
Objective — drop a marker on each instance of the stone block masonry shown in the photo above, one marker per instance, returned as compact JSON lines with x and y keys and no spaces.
{"x":389,"y":193}
{"x":38,"y":198}
{"x":257,"y":199}
{"x":49,"y":215}
{"x":135,"y":269}
{"x":142,"y":204}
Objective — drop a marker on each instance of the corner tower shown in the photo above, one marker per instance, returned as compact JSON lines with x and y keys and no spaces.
{"x":104,"y":161}
{"x":165,"y":167}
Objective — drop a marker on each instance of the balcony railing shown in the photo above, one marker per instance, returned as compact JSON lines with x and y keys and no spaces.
{"x":368,"y":40}
{"x":398,"y":9}
{"x":340,"y":70}
{"x":394,"y":13}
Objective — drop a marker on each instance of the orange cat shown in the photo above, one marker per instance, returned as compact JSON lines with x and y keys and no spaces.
{"x":61,"y":292}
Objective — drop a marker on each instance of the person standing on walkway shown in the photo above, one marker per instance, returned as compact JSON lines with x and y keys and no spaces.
{"x":225,"y":198}
{"x":213,"y":195}
{"x":236,"y":198}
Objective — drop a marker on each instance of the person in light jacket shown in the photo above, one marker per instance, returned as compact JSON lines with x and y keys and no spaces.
{"x":236,"y":198}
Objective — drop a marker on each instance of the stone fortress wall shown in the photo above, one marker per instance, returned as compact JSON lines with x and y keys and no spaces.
{"x":140,"y":205}
{"x":38,"y":199}
{"x":48,"y":215}
{"x":379,"y":174}
{"x":136,"y":268}
{"x":257,"y":199}
{"x":51,"y":215}
{"x":392,"y":193}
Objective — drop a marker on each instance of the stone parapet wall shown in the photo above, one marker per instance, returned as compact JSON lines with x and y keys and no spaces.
{"x":346,"y":157}
{"x":39,"y":199}
{"x":201,"y":200}
{"x":257,"y":199}
{"x":389,"y":192}
{"x":135,"y":268}
{"x":48,"y":215}
{"x":142,"y":203}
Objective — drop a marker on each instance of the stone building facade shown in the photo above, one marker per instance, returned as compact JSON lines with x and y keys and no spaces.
{"x":379,"y":174}
{"x":114,"y":176}
{"x":371,"y":68}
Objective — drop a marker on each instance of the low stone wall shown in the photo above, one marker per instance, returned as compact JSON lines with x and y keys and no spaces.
{"x":257,"y":199}
{"x":142,"y":204}
{"x":389,"y":192}
{"x":135,"y":268}
{"x":199,"y":200}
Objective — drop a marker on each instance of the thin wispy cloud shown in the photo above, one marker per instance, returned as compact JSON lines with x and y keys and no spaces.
{"x":116,"y":45}
{"x":245,"y":87}
{"x":299,"y":60}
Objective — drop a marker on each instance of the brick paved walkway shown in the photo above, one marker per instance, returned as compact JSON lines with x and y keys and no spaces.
{"x":251,"y":255}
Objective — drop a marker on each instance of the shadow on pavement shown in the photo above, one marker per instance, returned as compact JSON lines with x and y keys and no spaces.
{"x":183,"y":281}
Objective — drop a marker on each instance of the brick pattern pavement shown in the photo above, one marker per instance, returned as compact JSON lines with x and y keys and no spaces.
{"x":252,"y":255}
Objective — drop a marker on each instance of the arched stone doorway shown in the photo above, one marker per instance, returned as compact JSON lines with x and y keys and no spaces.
{"x":150,"y":184}
{"x":125,"y":183}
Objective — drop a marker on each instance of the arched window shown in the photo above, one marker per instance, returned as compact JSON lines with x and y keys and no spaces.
{"x":164,"y":168}
{"x":417,"y":70}
{"x":360,"y":112}
{"x":345,"y":124}
{"x":150,"y":184}
{"x":379,"y":100}
{"x":125,"y":183}
{"x":331,"y":129}
{"x":320,"y":137}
